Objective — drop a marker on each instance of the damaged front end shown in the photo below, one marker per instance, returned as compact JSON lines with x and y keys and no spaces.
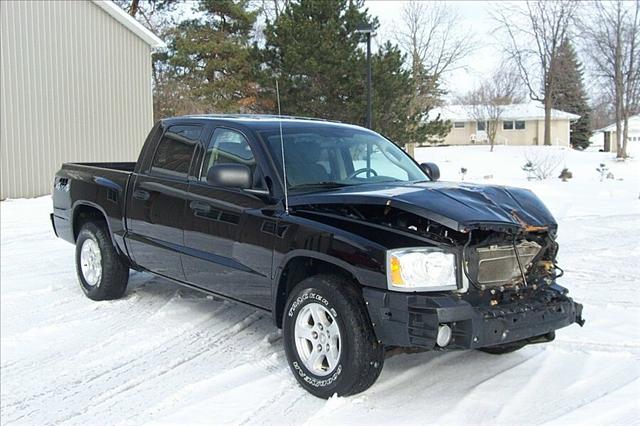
{"x":507,"y":292}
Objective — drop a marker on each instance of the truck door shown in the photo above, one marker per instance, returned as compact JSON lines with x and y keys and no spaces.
{"x":157,"y":203}
{"x":228,"y":238}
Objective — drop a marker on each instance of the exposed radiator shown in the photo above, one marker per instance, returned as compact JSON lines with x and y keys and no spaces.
{"x":496,"y":265}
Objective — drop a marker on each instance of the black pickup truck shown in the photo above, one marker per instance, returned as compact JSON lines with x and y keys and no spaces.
{"x":352,"y":246}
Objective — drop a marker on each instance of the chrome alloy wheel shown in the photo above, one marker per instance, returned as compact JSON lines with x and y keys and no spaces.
{"x":91,"y":262}
{"x":317,"y":338}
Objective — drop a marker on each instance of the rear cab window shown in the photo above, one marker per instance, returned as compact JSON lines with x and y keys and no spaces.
{"x":175,"y":151}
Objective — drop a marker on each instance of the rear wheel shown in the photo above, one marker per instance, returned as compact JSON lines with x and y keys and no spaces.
{"x":102,"y":273}
{"x":328,"y":338}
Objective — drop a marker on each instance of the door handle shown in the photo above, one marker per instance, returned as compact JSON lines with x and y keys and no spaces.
{"x":200,"y":207}
{"x":141,"y":194}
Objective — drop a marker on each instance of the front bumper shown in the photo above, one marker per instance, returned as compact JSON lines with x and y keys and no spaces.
{"x":412,"y":320}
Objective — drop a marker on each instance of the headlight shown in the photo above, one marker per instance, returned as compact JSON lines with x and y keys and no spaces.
{"x":421,"y":269}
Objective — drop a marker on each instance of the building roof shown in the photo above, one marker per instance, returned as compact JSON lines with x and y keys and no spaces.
{"x":130,"y":23}
{"x":634,"y":125}
{"x":526,"y":111}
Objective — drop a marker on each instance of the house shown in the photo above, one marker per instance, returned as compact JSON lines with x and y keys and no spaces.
{"x":518,"y":124}
{"x":607,"y":135}
{"x":75,"y":85}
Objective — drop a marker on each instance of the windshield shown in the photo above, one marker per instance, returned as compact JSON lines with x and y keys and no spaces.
{"x":326,"y":156}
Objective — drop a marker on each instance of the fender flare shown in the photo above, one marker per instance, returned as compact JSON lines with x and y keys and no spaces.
{"x":85,"y":203}
{"x":307,"y":254}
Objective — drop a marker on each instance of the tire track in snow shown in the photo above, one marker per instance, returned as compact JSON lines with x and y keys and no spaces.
{"x":588,"y":347}
{"x":606,"y":409}
{"x":558,"y":384}
{"x":130,"y":366}
{"x":128,"y":309}
{"x":211,"y":344}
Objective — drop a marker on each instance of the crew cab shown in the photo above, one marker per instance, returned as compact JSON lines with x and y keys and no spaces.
{"x":353,"y":247}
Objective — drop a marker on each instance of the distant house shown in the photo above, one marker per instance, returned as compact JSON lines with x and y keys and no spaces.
{"x":519,"y":124}
{"x":608,"y":134}
{"x":76,"y":85}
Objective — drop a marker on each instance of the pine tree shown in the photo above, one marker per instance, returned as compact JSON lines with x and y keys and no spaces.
{"x":570,"y":96}
{"x":210,"y":57}
{"x":313,"y":48}
{"x":393,"y":90}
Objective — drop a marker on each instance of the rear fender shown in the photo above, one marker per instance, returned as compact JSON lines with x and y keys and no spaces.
{"x":118,"y":242}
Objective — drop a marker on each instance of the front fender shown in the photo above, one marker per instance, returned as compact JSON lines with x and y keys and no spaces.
{"x":303,"y":238}
{"x":362,"y":276}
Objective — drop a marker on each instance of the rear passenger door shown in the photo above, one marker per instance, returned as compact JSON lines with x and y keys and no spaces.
{"x":158,"y":200}
{"x":228,"y":237}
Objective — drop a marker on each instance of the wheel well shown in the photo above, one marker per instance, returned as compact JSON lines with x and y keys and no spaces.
{"x":296,"y":270}
{"x":82,"y":214}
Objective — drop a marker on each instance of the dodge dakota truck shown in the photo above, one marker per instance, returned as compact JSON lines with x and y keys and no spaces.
{"x":353,"y":247}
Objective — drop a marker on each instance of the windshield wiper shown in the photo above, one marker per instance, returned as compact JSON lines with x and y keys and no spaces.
{"x":324,"y":184}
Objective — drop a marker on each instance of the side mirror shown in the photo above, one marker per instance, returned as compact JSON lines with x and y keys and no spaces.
{"x":230,"y":175}
{"x":432,"y":170}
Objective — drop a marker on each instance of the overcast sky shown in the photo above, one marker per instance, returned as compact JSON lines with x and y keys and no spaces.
{"x":474,"y":17}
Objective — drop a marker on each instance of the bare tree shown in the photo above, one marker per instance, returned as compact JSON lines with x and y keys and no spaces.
{"x":429,"y":33}
{"x":150,"y":13}
{"x":534,"y":35}
{"x":602,"y":105}
{"x":486,"y":104}
{"x":271,"y":9}
{"x":611,"y":31}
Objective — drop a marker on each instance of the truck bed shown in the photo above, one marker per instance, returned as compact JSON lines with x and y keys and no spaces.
{"x":97,"y":186}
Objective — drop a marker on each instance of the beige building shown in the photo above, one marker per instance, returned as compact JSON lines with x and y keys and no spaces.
{"x":75,"y":85}
{"x":609,"y":139}
{"x":519,"y":124}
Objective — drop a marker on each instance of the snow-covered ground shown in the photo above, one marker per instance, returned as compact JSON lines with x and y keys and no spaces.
{"x":165,"y":354}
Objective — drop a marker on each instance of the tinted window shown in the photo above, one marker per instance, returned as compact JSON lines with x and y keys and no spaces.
{"x":458,"y":124}
{"x":173,"y":155}
{"x":507,"y":125}
{"x":339,"y":155}
{"x":519,"y":125}
{"x":482,"y":126}
{"x":230,"y":147}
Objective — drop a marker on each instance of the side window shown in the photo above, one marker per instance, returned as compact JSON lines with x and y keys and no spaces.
{"x":174,"y":152}
{"x":230,"y":147}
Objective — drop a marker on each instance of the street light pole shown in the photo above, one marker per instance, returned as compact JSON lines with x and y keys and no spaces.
{"x":369,"y":103}
{"x":368,"y":30}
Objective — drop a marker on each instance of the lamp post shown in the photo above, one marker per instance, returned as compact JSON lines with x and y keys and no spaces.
{"x":368,"y":30}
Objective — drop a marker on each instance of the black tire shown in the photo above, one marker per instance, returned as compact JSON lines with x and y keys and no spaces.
{"x":503,"y":349}
{"x":361,"y":355}
{"x":114,"y":277}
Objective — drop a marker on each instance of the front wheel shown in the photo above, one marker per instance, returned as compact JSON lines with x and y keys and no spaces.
{"x":101,"y":271}
{"x":328,"y":338}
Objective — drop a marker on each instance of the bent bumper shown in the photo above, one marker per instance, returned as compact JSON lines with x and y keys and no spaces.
{"x":412,"y":320}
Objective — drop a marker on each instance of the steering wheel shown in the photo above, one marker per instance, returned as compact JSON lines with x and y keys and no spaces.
{"x":362,"y":170}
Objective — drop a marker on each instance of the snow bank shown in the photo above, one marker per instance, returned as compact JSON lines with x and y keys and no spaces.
{"x":168,"y":355}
